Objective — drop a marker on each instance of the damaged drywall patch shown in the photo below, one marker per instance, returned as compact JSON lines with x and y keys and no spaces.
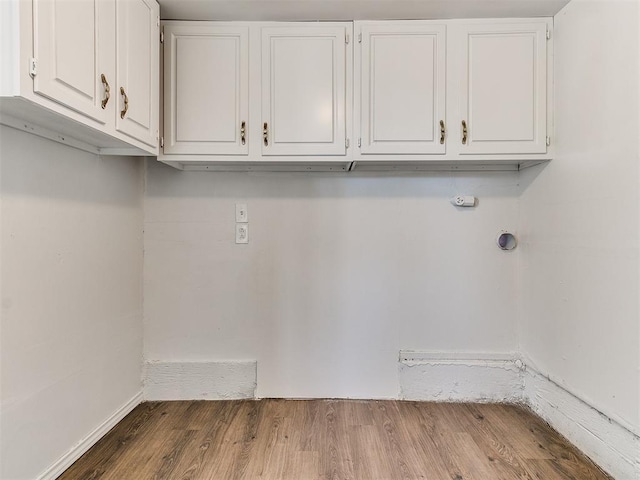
{"x":461,"y":377}
{"x":219,"y":380}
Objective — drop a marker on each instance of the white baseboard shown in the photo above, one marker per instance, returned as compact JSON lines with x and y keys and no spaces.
{"x":615,"y":448}
{"x":55,"y":470}
{"x":460,"y":377}
{"x":224,"y":380}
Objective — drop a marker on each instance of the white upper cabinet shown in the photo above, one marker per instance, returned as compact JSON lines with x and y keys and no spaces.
{"x":71,"y":52}
{"x":401,"y":72}
{"x":455,"y":90}
{"x":304,"y":75}
{"x":447,"y":91}
{"x":137,"y":69}
{"x":446,"y":94}
{"x":502,"y":93}
{"x":71,"y":68}
{"x":206,"y":89}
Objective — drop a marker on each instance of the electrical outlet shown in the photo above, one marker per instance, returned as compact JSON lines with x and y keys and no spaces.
{"x":242,"y":233}
{"x":464,"y":201}
{"x":242,"y":214}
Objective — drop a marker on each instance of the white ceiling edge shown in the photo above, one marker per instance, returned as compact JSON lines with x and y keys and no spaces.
{"x":344,"y":10}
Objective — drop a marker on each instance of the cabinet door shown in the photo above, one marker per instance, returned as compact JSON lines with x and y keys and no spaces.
{"x":402,"y":88}
{"x":137,"y":63}
{"x":304,"y":90}
{"x":71,"y":42}
{"x":503,"y":89}
{"x":206,"y":98}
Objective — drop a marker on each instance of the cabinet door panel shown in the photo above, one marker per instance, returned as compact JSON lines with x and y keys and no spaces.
{"x":69,"y":51}
{"x":303,"y":90}
{"x":206,"y":98}
{"x":402,"y":88}
{"x":504,"y":99}
{"x":137,"y":69}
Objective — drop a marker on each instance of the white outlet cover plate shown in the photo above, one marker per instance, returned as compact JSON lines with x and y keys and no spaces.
{"x":242,"y":214}
{"x":242,"y":233}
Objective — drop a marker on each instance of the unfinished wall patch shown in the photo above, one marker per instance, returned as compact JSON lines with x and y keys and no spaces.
{"x":460,"y":377}
{"x":220,"y":380}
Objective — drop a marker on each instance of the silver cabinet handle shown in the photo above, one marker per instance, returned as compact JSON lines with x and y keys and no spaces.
{"x":443,"y":132}
{"x":265,"y":134}
{"x":464,"y":132}
{"x":243,"y":132}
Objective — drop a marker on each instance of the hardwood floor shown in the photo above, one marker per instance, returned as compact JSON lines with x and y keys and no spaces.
{"x":331,"y":440}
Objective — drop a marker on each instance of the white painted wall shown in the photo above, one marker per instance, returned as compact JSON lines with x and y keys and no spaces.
{"x":339,"y":275}
{"x":71,"y":325}
{"x":580,"y":217}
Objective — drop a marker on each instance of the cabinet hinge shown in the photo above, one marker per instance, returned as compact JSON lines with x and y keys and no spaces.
{"x":33,"y":67}
{"x":548,"y":141}
{"x":360,"y":38}
{"x":162,"y":142}
{"x":162,"y":35}
{"x":346,"y":143}
{"x":548,"y":34}
{"x":359,"y":142}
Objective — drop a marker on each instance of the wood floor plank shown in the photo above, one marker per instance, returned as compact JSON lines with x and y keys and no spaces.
{"x":179,"y":440}
{"x":305,"y":465}
{"x":503,"y":458}
{"x":331,"y":440}
{"x":516,"y":429}
{"x":233,"y":451}
{"x":421,"y":434}
{"x":336,"y":463}
{"x":203,"y":450}
{"x":367,"y":449}
{"x":396,"y":447}
{"x":444,"y":426}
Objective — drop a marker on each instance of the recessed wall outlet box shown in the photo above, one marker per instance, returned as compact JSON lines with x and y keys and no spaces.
{"x":464,"y":201}
{"x":507,"y":241}
{"x":242,"y":233}
{"x":242,"y":214}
